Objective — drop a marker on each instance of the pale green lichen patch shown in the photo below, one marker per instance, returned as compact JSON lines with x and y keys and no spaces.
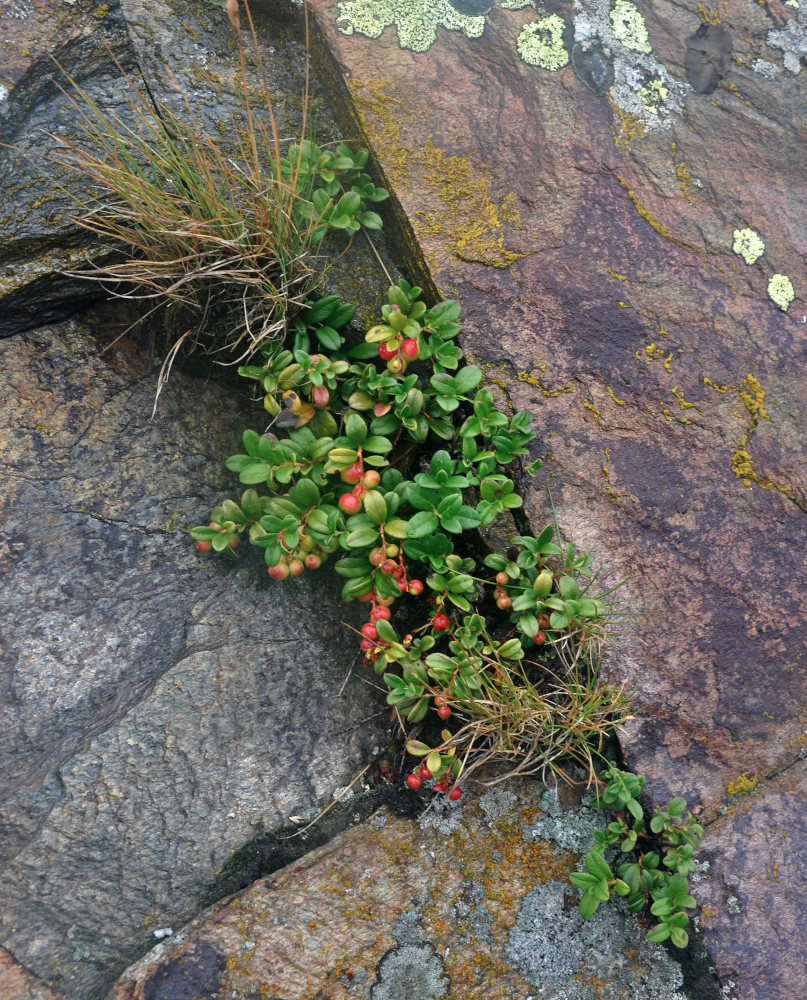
{"x":415,"y":20}
{"x":541,"y":43}
{"x":748,"y":245}
{"x":628,"y":26}
{"x":780,"y":290}
{"x":653,"y":95}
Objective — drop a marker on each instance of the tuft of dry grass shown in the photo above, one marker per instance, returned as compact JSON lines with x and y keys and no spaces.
{"x":215,"y":238}
{"x":534,"y":719}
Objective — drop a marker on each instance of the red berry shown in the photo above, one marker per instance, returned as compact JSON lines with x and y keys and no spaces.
{"x":204,"y":546}
{"x":366,"y":645}
{"x":425,"y":773}
{"x":440,"y":623}
{"x":369,"y":631}
{"x":368,"y":596}
{"x":358,"y":491}
{"x":378,"y":613}
{"x":403,"y":586}
{"x":409,"y":349}
{"x":415,"y":587}
{"x":444,"y":711}
{"x":539,"y":638}
{"x":312,"y":561}
{"x":348,"y":503}
{"x":385,"y":353}
{"x":352,"y":474}
{"x":414,"y":781}
{"x":279,"y":572}
{"x":234,"y":541}
{"x":503,"y":602}
{"x":439,"y":700}
{"x":371,"y":479}
{"x":388,"y":567}
{"x":502,"y":578}
{"x":398,"y":572}
{"x":296,"y":567}
{"x":384,"y":601}
{"x":321,"y":395}
{"x":377,"y":556}
{"x":455,"y":793}
{"x":440,"y":788}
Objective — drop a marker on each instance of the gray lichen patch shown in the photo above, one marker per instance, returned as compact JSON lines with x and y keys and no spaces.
{"x":792,"y":40}
{"x":606,"y":957}
{"x":410,"y":972}
{"x":613,"y":55}
{"x":572,"y":830}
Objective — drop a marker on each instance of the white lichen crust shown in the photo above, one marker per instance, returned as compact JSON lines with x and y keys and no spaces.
{"x":748,"y":245}
{"x":415,"y":20}
{"x":541,"y":43}
{"x":780,"y":291}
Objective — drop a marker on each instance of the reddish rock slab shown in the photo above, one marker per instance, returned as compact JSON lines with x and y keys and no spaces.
{"x":30,"y":29}
{"x":591,"y":242}
{"x":16,"y":983}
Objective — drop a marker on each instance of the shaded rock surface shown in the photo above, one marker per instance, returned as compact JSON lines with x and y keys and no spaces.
{"x":591,"y":240}
{"x":159,"y":709}
{"x":472,"y":903}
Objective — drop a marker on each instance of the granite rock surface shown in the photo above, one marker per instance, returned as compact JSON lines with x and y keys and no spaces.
{"x":470,"y":902}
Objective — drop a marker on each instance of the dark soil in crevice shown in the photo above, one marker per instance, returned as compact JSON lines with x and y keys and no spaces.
{"x":271,"y":851}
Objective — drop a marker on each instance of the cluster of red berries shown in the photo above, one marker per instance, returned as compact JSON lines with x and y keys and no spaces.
{"x":234,"y":539}
{"x":351,"y":503}
{"x":397,"y":352}
{"x":500,"y":595}
{"x":305,"y":555}
{"x":422,"y":773}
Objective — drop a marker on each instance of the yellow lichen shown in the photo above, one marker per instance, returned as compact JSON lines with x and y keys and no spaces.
{"x":607,"y":473}
{"x":744,"y":784}
{"x":619,"y":402}
{"x":462,"y":211}
{"x":679,"y":395}
{"x":532,"y":379}
{"x":626,"y":127}
{"x":597,"y":415}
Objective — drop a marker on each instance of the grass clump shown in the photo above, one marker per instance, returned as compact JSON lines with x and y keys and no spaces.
{"x":225,"y":242}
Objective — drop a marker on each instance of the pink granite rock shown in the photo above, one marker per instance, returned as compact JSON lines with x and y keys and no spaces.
{"x":597,"y":187}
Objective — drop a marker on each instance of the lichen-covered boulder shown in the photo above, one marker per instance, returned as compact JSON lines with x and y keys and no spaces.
{"x":615,"y":194}
{"x":470,"y":902}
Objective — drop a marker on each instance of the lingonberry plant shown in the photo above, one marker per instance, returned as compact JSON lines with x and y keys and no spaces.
{"x":657,"y":873}
{"x":385,"y":454}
